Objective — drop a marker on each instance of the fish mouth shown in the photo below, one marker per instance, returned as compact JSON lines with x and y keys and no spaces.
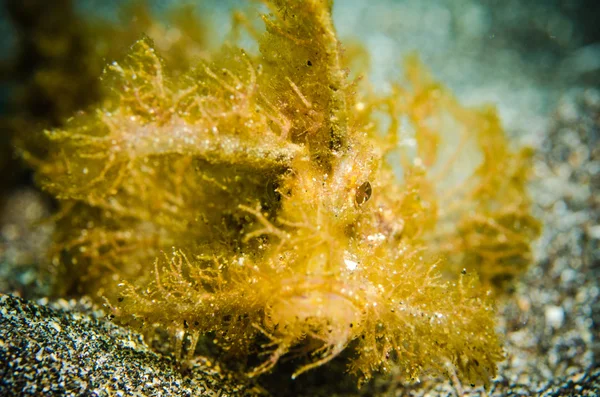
{"x":312,"y":316}
{"x":312,"y":305}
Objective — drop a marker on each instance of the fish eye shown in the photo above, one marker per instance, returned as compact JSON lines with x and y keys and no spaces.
{"x":363,"y":193}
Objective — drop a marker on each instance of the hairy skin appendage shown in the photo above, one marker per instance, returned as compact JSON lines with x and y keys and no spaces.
{"x":269,"y":197}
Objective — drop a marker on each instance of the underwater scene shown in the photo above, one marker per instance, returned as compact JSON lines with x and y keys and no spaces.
{"x":299,"y":198}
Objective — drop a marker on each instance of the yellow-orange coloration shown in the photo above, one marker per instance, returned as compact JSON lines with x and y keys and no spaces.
{"x":252,"y":196}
